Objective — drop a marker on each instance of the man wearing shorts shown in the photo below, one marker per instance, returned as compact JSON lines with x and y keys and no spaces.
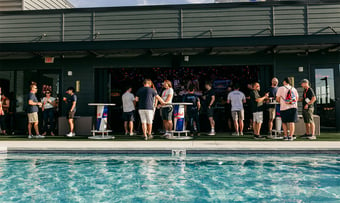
{"x":71,"y":103}
{"x":237,"y":99}
{"x":271,"y":107}
{"x":308,"y":100}
{"x":256,"y":102}
{"x":288,"y":111}
{"x":128,"y":100}
{"x":32,"y":112}
{"x":145,"y":97}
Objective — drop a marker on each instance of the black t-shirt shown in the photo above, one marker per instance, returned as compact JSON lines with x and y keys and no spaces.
{"x":70,"y":100}
{"x":146,"y":97}
{"x":255,"y":106}
{"x":191,"y":98}
{"x":32,"y":108}
{"x":308,"y":94}
{"x":272,"y":93}
{"x":209,"y":94}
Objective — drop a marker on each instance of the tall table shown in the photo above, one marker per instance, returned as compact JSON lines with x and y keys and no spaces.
{"x":278,"y":123}
{"x":101,"y":122}
{"x":179,"y":122}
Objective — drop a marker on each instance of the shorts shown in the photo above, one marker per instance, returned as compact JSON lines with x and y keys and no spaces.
{"x":210,"y":112}
{"x":272,"y":113}
{"x":166,"y":113}
{"x":146,"y":115}
{"x":33,"y":117}
{"x":129,"y":116}
{"x":70,"y":115}
{"x":258,"y":117}
{"x":238,"y":115}
{"x":289,"y":115}
{"x":308,"y":115}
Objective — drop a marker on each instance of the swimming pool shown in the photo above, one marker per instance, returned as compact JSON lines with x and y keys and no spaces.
{"x":162,"y":178}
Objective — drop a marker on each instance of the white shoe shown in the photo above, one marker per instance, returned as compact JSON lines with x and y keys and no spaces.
{"x":70,"y":134}
{"x":132,"y":134}
{"x":235,"y":134}
{"x":73,"y":134}
{"x":212,"y":133}
{"x":30,"y":136}
{"x":241,"y":133}
{"x":39,"y":136}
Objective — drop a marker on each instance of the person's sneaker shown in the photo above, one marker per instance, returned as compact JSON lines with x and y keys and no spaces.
{"x":212,"y":133}
{"x":235,"y":134}
{"x":145,"y":137}
{"x":290,"y":138}
{"x":285,"y":138}
{"x":132,"y":134}
{"x":150,"y":137}
{"x":311,"y":137}
{"x":258,"y":137}
{"x":241,"y":133}
{"x":30,"y":136}
{"x":304,"y":136}
{"x":126,"y":133}
{"x":70,"y":134}
{"x":39,"y":136}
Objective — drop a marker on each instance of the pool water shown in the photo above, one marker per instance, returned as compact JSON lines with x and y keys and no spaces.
{"x":162,"y":178}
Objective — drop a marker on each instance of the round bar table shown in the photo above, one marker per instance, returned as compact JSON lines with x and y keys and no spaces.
{"x":101,"y":122}
{"x":179,"y":122}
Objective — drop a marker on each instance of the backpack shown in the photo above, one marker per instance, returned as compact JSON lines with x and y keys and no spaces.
{"x":290,"y":97}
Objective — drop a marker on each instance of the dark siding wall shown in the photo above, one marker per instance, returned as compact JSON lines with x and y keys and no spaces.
{"x":169,"y":23}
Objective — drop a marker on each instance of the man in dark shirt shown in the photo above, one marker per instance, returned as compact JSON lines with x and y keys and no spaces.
{"x":145,"y":97}
{"x":256,"y":103}
{"x":71,"y":103}
{"x":210,"y":102}
{"x":192,"y":111}
{"x":32,"y":112}
{"x":308,"y":100}
{"x":272,"y":107}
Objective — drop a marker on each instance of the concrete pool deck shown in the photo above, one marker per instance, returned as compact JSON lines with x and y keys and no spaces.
{"x":45,"y":146}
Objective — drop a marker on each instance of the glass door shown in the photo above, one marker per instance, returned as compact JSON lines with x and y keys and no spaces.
{"x":325,"y":91}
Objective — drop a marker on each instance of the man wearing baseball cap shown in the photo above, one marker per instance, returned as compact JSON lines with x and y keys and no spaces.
{"x":308,"y":100}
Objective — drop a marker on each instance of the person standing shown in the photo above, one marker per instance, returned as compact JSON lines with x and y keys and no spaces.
{"x":48,"y":105}
{"x":256,"y":102}
{"x":32,"y":112}
{"x":71,"y":103}
{"x":272,"y":107}
{"x":145,"y":97}
{"x":237,"y":98}
{"x":167,"y":110}
{"x":288,"y":96}
{"x":129,"y":103}
{"x":4,"y":106}
{"x":192,"y":111}
{"x":210,"y":103}
{"x":308,"y":101}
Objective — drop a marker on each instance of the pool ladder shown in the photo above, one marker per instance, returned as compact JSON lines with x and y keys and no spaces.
{"x":178,"y":152}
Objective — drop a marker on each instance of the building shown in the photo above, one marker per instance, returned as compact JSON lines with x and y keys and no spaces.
{"x":17,"y":5}
{"x":98,"y":50}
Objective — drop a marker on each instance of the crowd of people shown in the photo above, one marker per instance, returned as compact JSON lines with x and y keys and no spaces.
{"x":277,"y":101}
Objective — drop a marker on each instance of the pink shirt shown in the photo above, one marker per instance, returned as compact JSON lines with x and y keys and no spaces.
{"x":282,"y":93}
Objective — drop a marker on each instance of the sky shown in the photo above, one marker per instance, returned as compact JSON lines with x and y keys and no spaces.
{"x":108,"y":3}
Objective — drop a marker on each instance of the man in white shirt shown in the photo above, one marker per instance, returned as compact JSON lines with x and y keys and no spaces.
{"x":237,"y":99}
{"x":288,"y":108}
{"x":129,"y":103}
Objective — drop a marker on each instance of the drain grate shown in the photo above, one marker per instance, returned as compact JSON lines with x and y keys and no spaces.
{"x":179,"y":152}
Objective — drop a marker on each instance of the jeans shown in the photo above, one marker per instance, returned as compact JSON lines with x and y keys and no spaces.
{"x":48,"y":115}
{"x":193,"y":116}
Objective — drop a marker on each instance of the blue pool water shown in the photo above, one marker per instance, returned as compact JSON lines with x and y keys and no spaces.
{"x":162,"y":178}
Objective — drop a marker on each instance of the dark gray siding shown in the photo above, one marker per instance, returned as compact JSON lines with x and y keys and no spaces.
{"x":10,"y":5}
{"x":170,"y":23}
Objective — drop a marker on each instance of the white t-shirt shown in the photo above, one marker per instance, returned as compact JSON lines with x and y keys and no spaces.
{"x":236,"y":97}
{"x":47,"y":105}
{"x":282,"y":93}
{"x":128,"y":100}
{"x":165,"y":95}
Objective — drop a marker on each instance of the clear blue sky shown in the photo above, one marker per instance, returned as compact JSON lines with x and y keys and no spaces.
{"x":107,"y":3}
